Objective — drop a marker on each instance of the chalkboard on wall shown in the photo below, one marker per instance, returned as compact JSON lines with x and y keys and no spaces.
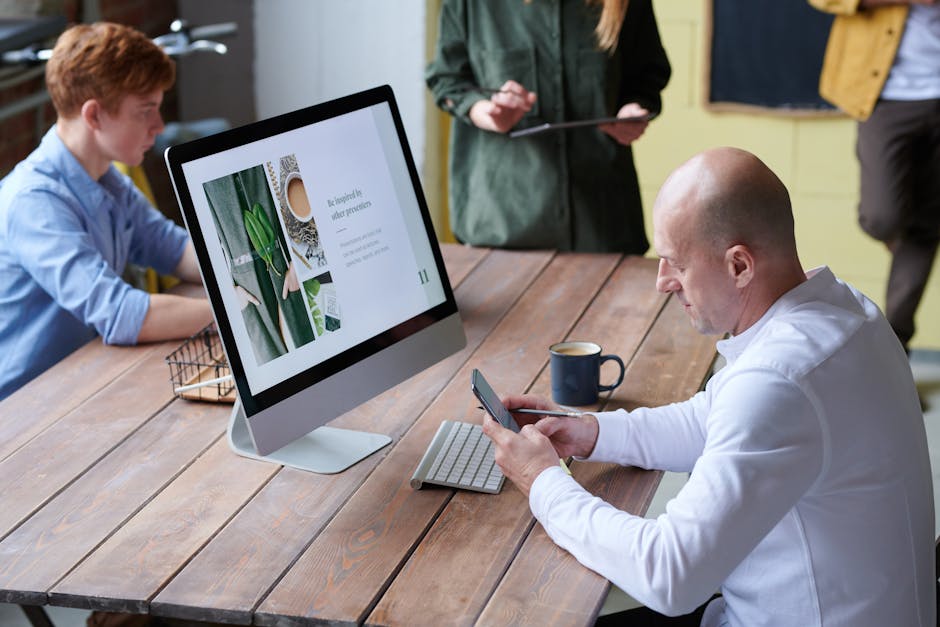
{"x":767,"y":54}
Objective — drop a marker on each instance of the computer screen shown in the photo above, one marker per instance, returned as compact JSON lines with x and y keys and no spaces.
{"x":319,"y":258}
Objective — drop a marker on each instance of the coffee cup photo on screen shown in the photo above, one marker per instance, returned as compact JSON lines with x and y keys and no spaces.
{"x":257,"y":253}
{"x":296,"y":211}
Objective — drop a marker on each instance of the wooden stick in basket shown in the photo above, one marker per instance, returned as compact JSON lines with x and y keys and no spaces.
{"x":202,"y":384}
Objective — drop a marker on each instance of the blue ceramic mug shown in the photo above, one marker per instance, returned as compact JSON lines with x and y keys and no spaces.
{"x":576,"y":372}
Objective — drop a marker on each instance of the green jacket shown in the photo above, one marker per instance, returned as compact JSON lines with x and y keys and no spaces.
{"x":570,"y":190}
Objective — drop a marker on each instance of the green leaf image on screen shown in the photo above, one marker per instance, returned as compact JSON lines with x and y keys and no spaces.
{"x":318,"y":300}
{"x":311,"y":289}
{"x":244,"y":215}
{"x":261,"y":234}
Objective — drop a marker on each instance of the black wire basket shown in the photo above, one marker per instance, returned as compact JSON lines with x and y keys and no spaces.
{"x":200,"y":359}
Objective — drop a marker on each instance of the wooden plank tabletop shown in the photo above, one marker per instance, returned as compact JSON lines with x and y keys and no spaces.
{"x":119,"y":496}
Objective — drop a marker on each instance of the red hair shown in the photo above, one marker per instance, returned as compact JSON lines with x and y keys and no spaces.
{"x":105,"y":62}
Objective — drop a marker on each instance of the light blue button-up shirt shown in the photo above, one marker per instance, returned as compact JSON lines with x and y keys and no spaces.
{"x":64,"y":241}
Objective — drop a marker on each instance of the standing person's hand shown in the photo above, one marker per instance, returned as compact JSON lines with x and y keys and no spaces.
{"x":504,"y":109}
{"x":627,"y":132}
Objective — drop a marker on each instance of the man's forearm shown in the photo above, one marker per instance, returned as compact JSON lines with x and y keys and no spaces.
{"x":188,"y":267}
{"x":171,"y":317}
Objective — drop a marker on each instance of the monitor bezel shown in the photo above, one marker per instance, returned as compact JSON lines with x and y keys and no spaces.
{"x":178,"y":156}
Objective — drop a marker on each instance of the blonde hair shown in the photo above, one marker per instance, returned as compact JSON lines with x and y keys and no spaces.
{"x":607,"y":30}
{"x":106,"y":62}
{"x":608,"y":27}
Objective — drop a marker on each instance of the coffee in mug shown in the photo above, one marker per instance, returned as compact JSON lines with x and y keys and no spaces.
{"x":576,"y":350}
{"x":576,"y":368}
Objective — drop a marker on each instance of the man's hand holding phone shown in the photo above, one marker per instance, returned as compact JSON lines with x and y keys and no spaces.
{"x":522,"y":453}
{"x":571,"y":437}
{"x":521,"y":456}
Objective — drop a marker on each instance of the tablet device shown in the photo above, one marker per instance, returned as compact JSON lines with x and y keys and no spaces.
{"x":560,"y":126}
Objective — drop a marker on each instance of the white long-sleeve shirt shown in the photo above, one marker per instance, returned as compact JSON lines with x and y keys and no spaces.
{"x":810,"y":499}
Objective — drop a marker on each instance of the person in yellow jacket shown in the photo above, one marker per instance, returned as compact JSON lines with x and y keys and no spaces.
{"x":882,"y":67}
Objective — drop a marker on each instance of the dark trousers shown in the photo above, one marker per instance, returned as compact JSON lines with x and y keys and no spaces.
{"x":645,"y":617}
{"x":899,"y":153}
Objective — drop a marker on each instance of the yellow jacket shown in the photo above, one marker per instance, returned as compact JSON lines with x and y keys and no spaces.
{"x":860,"y":52}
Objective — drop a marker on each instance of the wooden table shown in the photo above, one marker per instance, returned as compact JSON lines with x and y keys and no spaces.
{"x":118,"y":496}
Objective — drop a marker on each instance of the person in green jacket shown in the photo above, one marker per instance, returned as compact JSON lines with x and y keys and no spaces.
{"x":547,"y":61}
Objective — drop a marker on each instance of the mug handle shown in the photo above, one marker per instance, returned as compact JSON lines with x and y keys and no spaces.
{"x":605,"y":388}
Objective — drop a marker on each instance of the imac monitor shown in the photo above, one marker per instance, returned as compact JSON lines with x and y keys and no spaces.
{"x":322,"y":268}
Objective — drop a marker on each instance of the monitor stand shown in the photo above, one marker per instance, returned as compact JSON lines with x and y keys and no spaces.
{"x":324,"y":450}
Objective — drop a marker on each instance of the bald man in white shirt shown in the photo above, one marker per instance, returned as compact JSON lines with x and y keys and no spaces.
{"x":810,"y":499}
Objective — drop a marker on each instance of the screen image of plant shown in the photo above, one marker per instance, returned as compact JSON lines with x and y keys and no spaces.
{"x":260,"y":234}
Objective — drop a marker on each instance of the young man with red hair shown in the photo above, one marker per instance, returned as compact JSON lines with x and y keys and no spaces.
{"x":70,"y":222}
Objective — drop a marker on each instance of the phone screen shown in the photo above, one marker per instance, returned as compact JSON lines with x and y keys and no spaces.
{"x":491,"y":402}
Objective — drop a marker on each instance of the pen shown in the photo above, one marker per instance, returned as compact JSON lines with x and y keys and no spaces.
{"x":549,"y":412}
{"x":202,"y":384}
{"x":544,"y":412}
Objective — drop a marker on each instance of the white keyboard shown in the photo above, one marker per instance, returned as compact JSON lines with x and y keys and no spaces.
{"x":459,"y":456}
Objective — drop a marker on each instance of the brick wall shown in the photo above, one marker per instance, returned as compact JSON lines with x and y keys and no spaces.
{"x":20,"y":134}
{"x":151,"y":16}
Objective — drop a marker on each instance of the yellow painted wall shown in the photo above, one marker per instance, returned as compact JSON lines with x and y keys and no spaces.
{"x":815,"y":158}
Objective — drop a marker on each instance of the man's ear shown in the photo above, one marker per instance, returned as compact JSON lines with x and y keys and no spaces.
{"x":739,"y":259}
{"x":91,"y":114}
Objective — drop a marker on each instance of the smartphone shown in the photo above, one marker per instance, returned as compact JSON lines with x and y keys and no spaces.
{"x":491,"y":402}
